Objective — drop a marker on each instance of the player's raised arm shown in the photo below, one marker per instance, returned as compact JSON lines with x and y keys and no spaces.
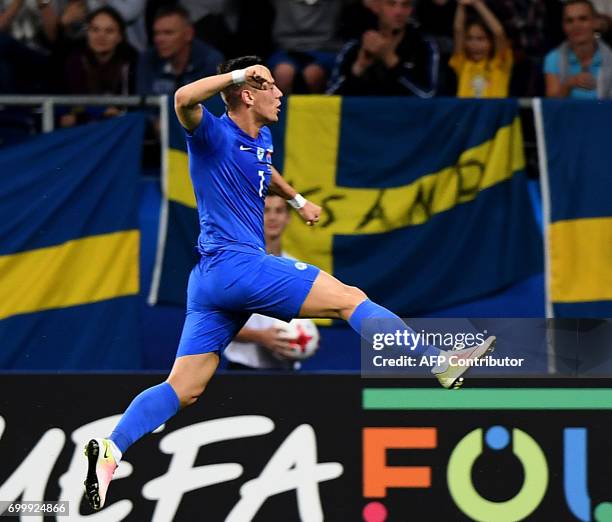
{"x":308,"y":211}
{"x":187,"y":99}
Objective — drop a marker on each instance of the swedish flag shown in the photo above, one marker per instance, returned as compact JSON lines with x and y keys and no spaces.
{"x":577,"y":180}
{"x":69,"y":248}
{"x":425,"y":201}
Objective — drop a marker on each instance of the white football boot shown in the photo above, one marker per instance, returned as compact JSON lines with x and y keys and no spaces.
{"x":451,"y":375}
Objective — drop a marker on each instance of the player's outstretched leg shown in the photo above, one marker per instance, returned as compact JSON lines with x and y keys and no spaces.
{"x":329,"y":297}
{"x":149,"y":410}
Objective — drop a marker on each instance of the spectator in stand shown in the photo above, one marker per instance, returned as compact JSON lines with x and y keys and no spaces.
{"x":261,"y":344}
{"x":28,"y":31}
{"x":581,"y":67}
{"x":32,"y":22}
{"x":394,"y":60}
{"x":106,"y":63}
{"x":482,"y":58}
{"x":304,"y":31}
{"x":73,"y":21}
{"x":178,"y":58}
{"x":103,"y":66}
{"x":532,"y":27}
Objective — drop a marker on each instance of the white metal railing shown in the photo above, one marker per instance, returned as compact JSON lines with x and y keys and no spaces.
{"x":47,"y":104}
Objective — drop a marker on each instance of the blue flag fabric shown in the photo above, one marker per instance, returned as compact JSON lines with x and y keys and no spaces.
{"x":578,"y":183}
{"x":425,"y":201}
{"x":69,"y":248}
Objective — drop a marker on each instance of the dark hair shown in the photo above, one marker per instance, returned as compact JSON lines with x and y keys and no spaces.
{"x":113,"y":13}
{"x":170,"y":10}
{"x":479,"y":22}
{"x":231,"y":94}
{"x":585,"y":2}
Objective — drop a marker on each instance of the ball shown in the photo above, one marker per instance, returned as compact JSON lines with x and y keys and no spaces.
{"x":304,"y":337}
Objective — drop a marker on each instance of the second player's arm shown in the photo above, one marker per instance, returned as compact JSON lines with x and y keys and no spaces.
{"x":272,"y":339}
{"x":309,"y":212}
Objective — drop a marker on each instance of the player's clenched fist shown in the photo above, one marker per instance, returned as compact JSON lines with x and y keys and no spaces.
{"x":258,"y":76}
{"x":310,"y":213}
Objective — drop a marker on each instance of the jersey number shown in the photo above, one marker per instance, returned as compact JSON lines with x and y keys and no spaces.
{"x":261,"y":174}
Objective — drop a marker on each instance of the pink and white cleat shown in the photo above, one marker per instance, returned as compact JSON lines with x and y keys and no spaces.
{"x":101,"y":466}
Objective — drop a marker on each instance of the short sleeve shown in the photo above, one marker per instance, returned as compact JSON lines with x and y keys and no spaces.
{"x":457,"y":61}
{"x":208,"y":134}
{"x":504,"y":60}
{"x":551,"y":63}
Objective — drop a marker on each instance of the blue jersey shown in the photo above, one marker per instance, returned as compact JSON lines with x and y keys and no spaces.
{"x":230,"y":172}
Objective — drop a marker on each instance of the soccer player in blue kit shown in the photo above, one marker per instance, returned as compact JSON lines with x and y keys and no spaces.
{"x":230,"y":162}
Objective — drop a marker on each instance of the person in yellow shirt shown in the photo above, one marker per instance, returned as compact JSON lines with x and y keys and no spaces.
{"x":482,"y":56}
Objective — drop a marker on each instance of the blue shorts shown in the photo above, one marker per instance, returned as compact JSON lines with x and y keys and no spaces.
{"x":225,"y":288}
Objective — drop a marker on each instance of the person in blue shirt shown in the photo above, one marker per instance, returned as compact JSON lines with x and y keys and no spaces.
{"x":177,"y":58}
{"x":230,"y":163}
{"x":581,"y":67}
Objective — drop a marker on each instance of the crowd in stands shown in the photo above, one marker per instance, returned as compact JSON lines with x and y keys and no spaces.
{"x":424,"y":48}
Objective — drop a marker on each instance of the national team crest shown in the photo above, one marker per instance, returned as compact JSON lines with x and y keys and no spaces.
{"x":260,"y":153}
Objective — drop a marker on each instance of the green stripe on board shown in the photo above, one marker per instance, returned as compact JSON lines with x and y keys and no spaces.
{"x":488,"y":399}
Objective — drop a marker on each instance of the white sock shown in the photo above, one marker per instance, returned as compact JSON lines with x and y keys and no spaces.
{"x":116,"y":451}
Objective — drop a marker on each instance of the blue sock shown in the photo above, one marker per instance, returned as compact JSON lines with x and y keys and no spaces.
{"x":370,"y":318}
{"x":147,"y":412}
